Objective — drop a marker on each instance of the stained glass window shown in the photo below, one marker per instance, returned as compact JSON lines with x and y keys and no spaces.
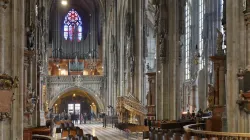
{"x":201,"y":47}
{"x":72,"y":26}
{"x":187,"y":40}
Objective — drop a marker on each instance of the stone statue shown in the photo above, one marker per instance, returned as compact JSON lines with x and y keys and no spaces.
{"x":16,"y":82}
{"x":211,"y":93}
{"x":241,"y":97}
{"x":219,"y":41}
{"x":148,"y":67}
{"x":196,"y":56}
{"x":132,"y":65}
{"x":161,"y":43}
{"x":30,"y":106}
{"x":31,"y":99}
{"x":30,"y":38}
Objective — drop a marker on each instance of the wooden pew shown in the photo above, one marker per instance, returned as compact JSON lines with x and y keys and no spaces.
{"x":175,"y":125}
{"x":28,"y":132}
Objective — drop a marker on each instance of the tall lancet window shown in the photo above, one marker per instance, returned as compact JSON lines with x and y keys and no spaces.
{"x":201,"y":46}
{"x":187,"y":40}
{"x":72,"y":26}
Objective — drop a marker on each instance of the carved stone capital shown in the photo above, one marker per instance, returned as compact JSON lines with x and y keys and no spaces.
{"x":7,"y":82}
{"x":26,"y":66}
{"x":163,"y":60}
{"x":247,"y":18}
{"x":4,"y":3}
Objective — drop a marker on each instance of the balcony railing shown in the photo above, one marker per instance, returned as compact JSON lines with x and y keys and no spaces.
{"x":59,"y":84}
{"x":196,"y":131}
{"x":74,"y":78}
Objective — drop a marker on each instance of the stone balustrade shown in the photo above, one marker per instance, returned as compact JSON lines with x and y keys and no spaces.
{"x":197,"y":131}
{"x":74,"y":79}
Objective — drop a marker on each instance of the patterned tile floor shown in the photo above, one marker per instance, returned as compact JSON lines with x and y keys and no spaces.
{"x":107,"y":133}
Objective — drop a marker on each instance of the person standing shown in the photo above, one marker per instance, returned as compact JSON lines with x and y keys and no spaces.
{"x":85,"y":118}
{"x":81,"y":118}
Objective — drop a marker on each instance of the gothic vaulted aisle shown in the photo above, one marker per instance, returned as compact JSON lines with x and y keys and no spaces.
{"x":124,"y":69}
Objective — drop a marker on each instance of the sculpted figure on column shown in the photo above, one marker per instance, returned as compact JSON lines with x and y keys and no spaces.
{"x":162,"y":44}
{"x":132,"y":65}
{"x":210,"y":98}
{"x":31,"y":100}
{"x":30,"y":37}
{"x":219,"y":41}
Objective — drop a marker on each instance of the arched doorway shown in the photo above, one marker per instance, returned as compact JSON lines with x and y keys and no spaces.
{"x":90,"y":93}
{"x":76,"y":101}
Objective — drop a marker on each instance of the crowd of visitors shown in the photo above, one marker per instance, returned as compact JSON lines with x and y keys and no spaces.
{"x":77,"y":118}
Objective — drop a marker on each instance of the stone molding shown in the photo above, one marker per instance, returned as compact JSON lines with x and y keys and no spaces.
{"x":72,"y":79}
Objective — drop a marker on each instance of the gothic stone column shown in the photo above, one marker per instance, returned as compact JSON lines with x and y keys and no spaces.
{"x":138,"y":73}
{"x":2,"y":44}
{"x":4,"y":125}
{"x":247,"y":22}
{"x":18,"y":43}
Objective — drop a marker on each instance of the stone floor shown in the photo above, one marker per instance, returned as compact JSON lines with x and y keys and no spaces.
{"x":107,"y":133}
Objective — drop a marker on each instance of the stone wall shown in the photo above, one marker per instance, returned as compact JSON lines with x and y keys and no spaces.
{"x":12,"y":43}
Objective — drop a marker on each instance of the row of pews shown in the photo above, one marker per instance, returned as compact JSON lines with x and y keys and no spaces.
{"x":65,"y":129}
{"x":166,"y":130}
{"x":70,"y":132}
{"x":129,"y":128}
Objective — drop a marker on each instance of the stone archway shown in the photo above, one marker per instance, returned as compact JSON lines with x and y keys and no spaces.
{"x":89,"y":91}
